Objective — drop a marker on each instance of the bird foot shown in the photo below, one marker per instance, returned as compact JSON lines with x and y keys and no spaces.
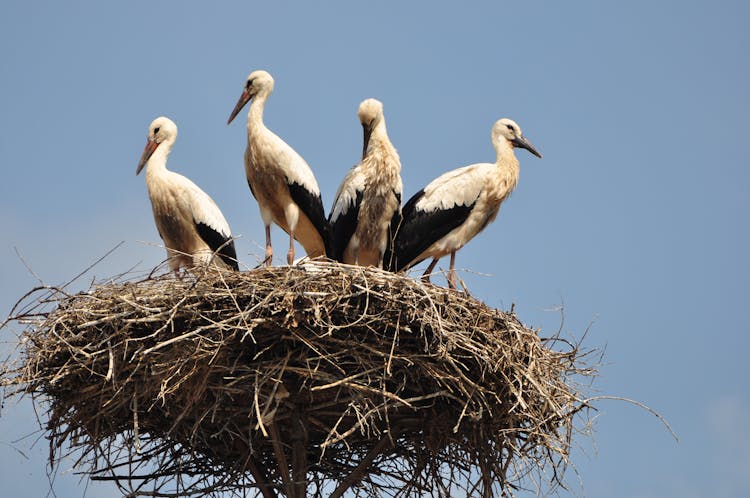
{"x":451,"y":280}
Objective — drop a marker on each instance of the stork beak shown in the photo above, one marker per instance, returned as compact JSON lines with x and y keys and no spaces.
{"x":366,"y":139}
{"x":525,"y":144}
{"x":244,"y":99}
{"x":147,"y":151}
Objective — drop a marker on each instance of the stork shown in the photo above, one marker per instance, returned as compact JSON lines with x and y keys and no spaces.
{"x":446,"y":214}
{"x":367,"y":208}
{"x":279,"y":179}
{"x":189,"y":222}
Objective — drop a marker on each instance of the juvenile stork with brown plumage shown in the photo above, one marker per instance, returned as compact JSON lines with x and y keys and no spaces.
{"x":452,"y":209}
{"x":189,"y":222}
{"x":279,"y":179}
{"x":367,"y":208}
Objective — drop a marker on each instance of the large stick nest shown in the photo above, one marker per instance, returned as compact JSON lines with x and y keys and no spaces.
{"x":317,"y":379}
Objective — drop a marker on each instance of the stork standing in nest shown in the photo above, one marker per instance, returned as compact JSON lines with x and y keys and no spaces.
{"x":279,"y":179}
{"x":189,"y":222}
{"x":446,"y":214}
{"x":367,"y":208}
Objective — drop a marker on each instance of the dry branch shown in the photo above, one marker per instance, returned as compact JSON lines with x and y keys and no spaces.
{"x":298,"y":381}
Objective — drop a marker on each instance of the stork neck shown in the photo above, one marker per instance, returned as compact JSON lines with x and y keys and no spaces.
{"x":255,"y":113}
{"x":379,"y":133}
{"x":378,"y":137}
{"x":505,"y":154}
{"x":157,"y":163}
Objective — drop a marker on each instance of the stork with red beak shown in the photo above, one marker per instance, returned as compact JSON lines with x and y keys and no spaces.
{"x":189,"y":222}
{"x":279,"y":179}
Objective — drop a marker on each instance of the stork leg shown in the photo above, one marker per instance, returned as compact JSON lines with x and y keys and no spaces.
{"x":428,"y":271}
{"x":173,"y":260}
{"x":452,"y":272}
{"x":269,"y":250}
{"x":290,"y":254}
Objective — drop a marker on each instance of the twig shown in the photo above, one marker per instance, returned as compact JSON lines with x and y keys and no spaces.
{"x":638,"y":404}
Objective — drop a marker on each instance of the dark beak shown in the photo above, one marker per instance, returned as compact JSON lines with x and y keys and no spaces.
{"x":244,"y":99}
{"x":367,"y":129}
{"x":525,"y":144}
{"x":147,"y":151}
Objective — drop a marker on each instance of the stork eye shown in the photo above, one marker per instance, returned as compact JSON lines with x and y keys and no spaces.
{"x":156,"y":130}
{"x":510,"y":127}
{"x":249,"y":84}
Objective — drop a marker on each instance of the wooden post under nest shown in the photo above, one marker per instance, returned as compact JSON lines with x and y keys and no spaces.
{"x":297,"y":380}
{"x":299,"y":439}
{"x":294,"y":472}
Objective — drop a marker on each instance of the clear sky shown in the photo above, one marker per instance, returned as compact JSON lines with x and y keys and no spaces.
{"x":636,"y":219}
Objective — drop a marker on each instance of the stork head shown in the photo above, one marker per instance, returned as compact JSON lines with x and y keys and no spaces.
{"x":370,"y":115}
{"x":509,"y":130}
{"x":257,"y":82}
{"x":160,"y":130}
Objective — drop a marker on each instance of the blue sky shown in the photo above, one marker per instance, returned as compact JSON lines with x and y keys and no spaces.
{"x":635,"y":220}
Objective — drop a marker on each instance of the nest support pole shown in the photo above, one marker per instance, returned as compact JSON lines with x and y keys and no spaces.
{"x":261,"y":478}
{"x":281,"y":461}
{"x":360,"y":470}
{"x":290,"y":441}
{"x":298,"y":436}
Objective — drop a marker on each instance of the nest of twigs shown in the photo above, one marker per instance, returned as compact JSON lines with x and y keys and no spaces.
{"x":315,"y":380}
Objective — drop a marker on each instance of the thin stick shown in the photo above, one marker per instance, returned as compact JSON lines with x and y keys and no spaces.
{"x":640,"y":405}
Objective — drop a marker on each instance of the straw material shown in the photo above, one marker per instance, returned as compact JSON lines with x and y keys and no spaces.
{"x":320,"y":379}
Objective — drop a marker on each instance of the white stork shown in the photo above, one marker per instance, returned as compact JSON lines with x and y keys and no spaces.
{"x":367,"y":208}
{"x":189,"y":222}
{"x":442,"y":217}
{"x":279,"y":179}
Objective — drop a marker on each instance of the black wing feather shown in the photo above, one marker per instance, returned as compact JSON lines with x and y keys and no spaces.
{"x":342,"y":230}
{"x":420,"y":229}
{"x":251,"y":189}
{"x":312,"y":206}
{"x":220,"y":244}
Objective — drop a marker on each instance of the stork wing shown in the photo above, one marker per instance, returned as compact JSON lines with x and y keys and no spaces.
{"x":345,"y":211}
{"x":311,"y":204}
{"x":433,"y":212}
{"x":223,"y":246}
{"x":300,"y":180}
{"x":211,"y":225}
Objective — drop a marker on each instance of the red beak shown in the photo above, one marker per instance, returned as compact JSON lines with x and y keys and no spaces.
{"x":244,"y":99}
{"x":147,"y":151}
